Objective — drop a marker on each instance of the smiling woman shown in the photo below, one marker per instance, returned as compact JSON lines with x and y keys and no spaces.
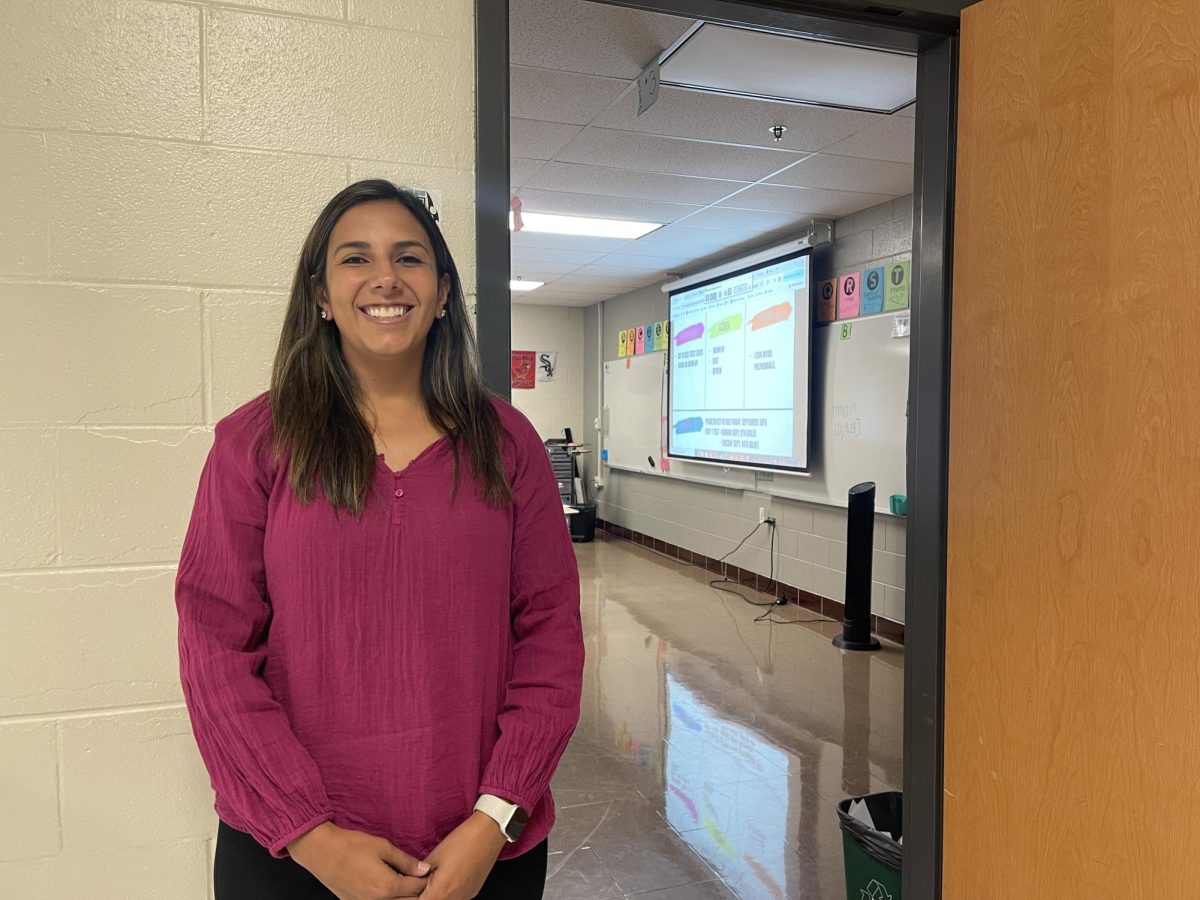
{"x":368,"y":702}
{"x":350,"y":384}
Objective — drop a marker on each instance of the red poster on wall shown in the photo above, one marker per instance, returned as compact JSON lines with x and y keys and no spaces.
{"x":524,"y":369}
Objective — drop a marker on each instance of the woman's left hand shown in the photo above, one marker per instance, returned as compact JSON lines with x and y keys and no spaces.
{"x":460,"y":864}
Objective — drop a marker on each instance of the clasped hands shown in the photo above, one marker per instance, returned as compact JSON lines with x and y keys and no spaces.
{"x":359,"y":866}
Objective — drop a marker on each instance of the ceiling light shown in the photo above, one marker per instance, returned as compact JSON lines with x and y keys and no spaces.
{"x":519,"y":284}
{"x":743,"y":62}
{"x":583,"y":226}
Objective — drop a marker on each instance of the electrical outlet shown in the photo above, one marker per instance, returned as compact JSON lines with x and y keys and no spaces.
{"x":762,"y":514}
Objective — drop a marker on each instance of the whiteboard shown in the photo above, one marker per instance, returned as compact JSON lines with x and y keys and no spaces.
{"x":859,"y":427}
{"x":633,"y":397}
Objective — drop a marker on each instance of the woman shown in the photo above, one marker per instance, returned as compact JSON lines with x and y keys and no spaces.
{"x":379,"y":633}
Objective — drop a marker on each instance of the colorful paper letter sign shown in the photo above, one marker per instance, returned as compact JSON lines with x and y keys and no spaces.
{"x":827,"y":301}
{"x":641,"y":339}
{"x":896,"y":291}
{"x":872,"y":292}
{"x":848,"y":296}
{"x":631,"y":338}
{"x":622,"y":343}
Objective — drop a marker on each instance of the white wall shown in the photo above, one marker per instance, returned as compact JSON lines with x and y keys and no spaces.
{"x":552,"y":406}
{"x":162,"y":163}
{"x":811,"y":538}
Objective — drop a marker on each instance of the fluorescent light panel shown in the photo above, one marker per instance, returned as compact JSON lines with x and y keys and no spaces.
{"x":521,"y":284}
{"x":748,"y":63}
{"x":583,"y":226}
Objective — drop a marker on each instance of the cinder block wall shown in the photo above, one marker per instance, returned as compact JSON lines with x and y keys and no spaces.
{"x":162,"y":163}
{"x":552,"y":406}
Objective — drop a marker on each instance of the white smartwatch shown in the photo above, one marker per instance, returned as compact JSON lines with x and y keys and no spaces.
{"x":510,"y":817}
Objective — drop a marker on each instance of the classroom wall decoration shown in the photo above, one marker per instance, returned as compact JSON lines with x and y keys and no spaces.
{"x":848,"y":296}
{"x":827,"y":300}
{"x":661,"y":330}
{"x":866,"y":293}
{"x":872,"y":291}
{"x":896,"y":292}
{"x":648,"y":338}
{"x":523,"y":366}
{"x":547,"y":365}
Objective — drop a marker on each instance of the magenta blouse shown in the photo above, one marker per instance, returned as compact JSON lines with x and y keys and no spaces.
{"x":381,"y":672}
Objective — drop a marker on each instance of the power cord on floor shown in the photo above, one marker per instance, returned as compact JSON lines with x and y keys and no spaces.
{"x":714,"y":584}
{"x":770,"y":604}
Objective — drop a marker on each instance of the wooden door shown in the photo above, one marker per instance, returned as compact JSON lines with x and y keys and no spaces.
{"x":1072,"y":716}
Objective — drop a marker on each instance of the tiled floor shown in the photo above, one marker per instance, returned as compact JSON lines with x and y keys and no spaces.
{"x":711,"y":749}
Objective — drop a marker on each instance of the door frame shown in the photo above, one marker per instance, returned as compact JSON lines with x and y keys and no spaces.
{"x":930,"y":30}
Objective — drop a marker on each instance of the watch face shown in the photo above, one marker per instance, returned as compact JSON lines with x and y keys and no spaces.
{"x":517,"y":824}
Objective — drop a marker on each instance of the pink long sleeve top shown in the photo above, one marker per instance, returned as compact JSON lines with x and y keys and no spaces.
{"x":381,"y":672}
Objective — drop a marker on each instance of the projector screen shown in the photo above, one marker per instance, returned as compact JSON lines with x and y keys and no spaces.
{"x":739,"y":367}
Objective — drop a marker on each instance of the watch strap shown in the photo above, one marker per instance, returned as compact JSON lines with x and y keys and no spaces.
{"x":501,"y":810}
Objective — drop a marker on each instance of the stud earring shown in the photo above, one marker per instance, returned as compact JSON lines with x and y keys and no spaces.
{"x":442,"y":314}
{"x":324,"y":315}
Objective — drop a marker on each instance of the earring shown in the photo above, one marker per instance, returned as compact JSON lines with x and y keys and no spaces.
{"x":324,"y":315}
{"x":442,"y":314}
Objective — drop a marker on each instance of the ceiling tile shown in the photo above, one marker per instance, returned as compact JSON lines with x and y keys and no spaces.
{"x":747,"y":223}
{"x":846,"y":173}
{"x":603,"y":206}
{"x":804,"y":201}
{"x":592,"y":38}
{"x":750,"y":62}
{"x":648,"y":153}
{"x":563,"y":285}
{"x":558,"y":176}
{"x":534,"y":239}
{"x":684,"y":234}
{"x":892,"y":138}
{"x":713,"y":117}
{"x":669,"y":259}
{"x":676,"y":262}
{"x":521,"y":170}
{"x":585,"y":283}
{"x":553,"y":96}
{"x":532,"y":298}
{"x":541,"y":271}
{"x":529,"y":255}
{"x":534,"y":139}
{"x":605,"y":276}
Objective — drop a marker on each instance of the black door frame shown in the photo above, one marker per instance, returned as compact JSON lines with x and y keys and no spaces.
{"x":930,"y":30}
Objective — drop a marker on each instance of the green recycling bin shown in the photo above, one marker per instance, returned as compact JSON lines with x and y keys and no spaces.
{"x":871,"y":845}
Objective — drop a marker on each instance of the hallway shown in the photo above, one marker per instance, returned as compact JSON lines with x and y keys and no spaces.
{"x":711,"y":749}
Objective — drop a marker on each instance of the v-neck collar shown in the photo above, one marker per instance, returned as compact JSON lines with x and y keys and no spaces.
{"x":381,"y":459}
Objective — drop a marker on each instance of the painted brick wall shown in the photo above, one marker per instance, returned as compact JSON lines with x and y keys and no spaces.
{"x":552,"y":406}
{"x":162,"y":163}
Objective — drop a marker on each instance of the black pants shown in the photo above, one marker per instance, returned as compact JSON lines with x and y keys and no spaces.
{"x":245,"y":870}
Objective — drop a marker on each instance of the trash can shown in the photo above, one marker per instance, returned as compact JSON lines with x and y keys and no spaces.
{"x":872,"y":845}
{"x":583,"y":523}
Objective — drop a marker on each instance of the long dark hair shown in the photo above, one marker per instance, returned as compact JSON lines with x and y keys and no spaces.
{"x":315,"y":397}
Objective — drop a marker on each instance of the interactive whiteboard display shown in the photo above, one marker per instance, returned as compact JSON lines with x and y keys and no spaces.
{"x":739,"y":366}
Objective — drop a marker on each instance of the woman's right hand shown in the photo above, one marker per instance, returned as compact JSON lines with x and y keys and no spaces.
{"x":358,"y":866}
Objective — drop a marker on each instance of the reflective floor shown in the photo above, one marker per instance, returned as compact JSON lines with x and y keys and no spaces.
{"x":711,"y":749}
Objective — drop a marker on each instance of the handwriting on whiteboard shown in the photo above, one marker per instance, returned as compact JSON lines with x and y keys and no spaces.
{"x":846,"y":421}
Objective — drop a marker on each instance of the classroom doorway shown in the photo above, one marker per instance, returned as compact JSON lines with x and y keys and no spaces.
{"x":931,"y":37}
